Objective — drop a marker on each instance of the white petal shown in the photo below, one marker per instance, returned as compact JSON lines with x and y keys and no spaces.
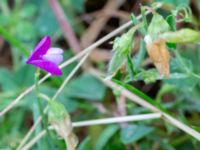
{"x":53,"y":50}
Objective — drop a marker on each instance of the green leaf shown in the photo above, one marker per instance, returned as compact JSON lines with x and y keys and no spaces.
{"x":116,"y":63}
{"x":105,"y":137}
{"x":70,"y":104}
{"x":188,"y":83}
{"x":85,"y":144}
{"x":140,"y":55}
{"x":6,"y":80}
{"x":28,"y":76}
{"x":4,"y":20}
{"x":28,"y":10}
{"x":132,"y":133}
{"x":148,"y":76}
{"x":46,"y":22}
{"x":86,"y":87}
{"x":13,"y":81}
{"x":28,"y":28}
{"x":182,"y":66}
{"x":144,"y":19}
{"x":130,"y":66}
{"x":172,"y":22}
{"x":144,"y":145}
{"x":78,"y":5}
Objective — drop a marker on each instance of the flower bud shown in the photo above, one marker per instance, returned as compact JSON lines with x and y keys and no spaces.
{"x":122,"y":47}
{"x":124,"y":44}
{"x":157,"y":26}
{"x":184,"y":35}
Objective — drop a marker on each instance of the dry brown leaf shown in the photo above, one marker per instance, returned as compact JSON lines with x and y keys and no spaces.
{"x":159,"y":54}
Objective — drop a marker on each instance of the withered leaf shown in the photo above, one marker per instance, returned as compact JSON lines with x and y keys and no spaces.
{"x":159,"y":54}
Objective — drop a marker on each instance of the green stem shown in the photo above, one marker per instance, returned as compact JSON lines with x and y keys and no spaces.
{"x":39,"y":104}
{"x":38,"y":107}
{"x":37,"y":74}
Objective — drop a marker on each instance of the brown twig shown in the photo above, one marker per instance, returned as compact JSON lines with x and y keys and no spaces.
{"x":65,"y":26}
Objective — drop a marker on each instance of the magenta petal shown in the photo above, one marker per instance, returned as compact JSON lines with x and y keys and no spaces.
{"x":47,"y":66}
{"x":41,"y":49}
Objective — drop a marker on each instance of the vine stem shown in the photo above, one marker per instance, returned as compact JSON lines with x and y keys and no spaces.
{"x":37,"y":110}
{"x":37,"y":75}
{"x":39,"y":104}
{"x":98,"y":122}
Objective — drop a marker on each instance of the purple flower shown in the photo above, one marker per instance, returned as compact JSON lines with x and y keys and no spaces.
{"x":45,"y":57}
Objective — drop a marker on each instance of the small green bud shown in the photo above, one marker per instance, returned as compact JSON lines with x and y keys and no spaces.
{"x":157,"y":26}
{"x":184,"y":35}
{"x":149,"y":76}
{"x":121,"y":48}
{"x":124,"y":44}
{"x":57,"y":112}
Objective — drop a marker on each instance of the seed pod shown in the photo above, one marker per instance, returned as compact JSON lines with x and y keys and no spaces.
{"x":159,"y":54}
{"x":184,"y":35}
